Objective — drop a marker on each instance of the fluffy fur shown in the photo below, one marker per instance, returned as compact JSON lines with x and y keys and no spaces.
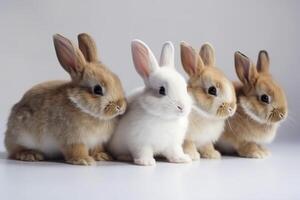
{"x":209,"y":112}
{"x":255,"y":121}
{"x":154,"y":124}
{"x":66,"y":117}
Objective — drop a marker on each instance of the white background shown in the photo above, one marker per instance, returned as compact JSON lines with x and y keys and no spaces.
{"x":28,"y":57}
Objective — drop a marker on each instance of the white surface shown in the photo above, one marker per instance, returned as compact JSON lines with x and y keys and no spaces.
{"x":276,"y":177}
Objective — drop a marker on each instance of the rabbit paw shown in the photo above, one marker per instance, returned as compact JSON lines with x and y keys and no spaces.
{"x":144,"y":161}
{"x":214,"y":154}
{"x":29,"y":155}
{"x":102,"y":156}
{"x":258,"y":153}
{"x":81,"y":161}
{"x":194,"y":155}
{"x":180,"y":159}
{"x":253,"y":151}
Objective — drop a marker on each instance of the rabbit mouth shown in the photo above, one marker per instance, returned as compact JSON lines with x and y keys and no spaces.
{"x":276,"y":115}
{"x":225,"y":110}
{"x":112,"y":110}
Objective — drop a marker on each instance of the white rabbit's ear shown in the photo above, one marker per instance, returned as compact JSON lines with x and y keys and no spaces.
{"x":143,"y":58}
{"x":167,"y":54}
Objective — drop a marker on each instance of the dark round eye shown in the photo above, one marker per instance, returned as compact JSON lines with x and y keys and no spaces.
{"x":212,"y":90}
{"x":265,"y":98}
{"x":162,"y":90}
{"x":98,"y":90}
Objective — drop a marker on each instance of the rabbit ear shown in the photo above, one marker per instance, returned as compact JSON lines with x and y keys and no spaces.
{"x":70,"y":57}
{"x":207,"y":54}
{"x":191,"y":61}
{"x":88,"y":47}
{"x":143,"y":58}
{"x":244,"y":69}
{"x":263,"y":62}
{"x":167,"y":55}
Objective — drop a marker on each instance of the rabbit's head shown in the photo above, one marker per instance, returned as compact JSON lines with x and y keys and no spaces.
{"x":94,"y":89}
{"x":213,"y":93}
{"x":165,"y":93}
{"x":260,"y":96}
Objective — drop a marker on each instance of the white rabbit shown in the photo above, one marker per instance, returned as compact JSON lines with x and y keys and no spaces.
{"x":157,"y":117}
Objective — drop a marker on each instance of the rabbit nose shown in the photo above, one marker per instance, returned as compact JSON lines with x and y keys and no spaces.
{"x":281,"y":115}
{"x":118,"y":108}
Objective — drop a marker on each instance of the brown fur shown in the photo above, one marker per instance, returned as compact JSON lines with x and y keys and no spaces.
{"x":203,"y":74}
{"x":243,"y":132}
{"x":69,"y":111}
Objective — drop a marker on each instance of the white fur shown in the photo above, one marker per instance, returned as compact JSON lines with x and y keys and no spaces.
{"x":46,"y":143}
{"x":50,"y":145}
{"x":205,"y":127}
{"x":153,"y":124}
{"x":250,"y":113}
{"x":82,"y":108}
{"x":203,"y":130}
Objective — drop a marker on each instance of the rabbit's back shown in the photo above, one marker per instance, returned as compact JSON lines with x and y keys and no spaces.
{"x":45,"y":118}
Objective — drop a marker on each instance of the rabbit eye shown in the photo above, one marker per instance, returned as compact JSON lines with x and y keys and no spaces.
{"x":98,"y":90}
{"x":162,"y":91}
{"x":212,"y":90}
{"x":265,"y":98}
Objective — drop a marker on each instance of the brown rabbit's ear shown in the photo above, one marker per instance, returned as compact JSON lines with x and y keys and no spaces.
{"x":244,"y":69}
{"x":88,"y":47}
{"x":191,"y":61}
{"x":70,"y":57}
{"x":263,"y":62}
{"x":207,"y":54}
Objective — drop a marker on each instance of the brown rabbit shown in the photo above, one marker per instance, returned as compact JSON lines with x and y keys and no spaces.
{"x":71,"y":118}
{"x":262,"y":106}
{"x":214,"y":100}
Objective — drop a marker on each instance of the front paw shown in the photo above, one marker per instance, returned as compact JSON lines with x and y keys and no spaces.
{"x":180,"y":159}
{"x":195,"y":155}
{"x":29,"y":155}
{"x":144,"y":161}
{"x":213,"y":154}
{"x":81,"y":161}
{"x":102,"y":156}
{"x":256,"y":153}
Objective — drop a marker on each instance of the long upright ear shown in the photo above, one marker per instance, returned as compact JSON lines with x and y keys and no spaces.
{"x":244,"y":69}
{"x":70,"y":57}
{"x":143,"y":59}
{"x":167,"y":54}
{"x":263,"y":62}
{"x":88,"y":47}
{"x":191,"y":61}
{"x":207,"y":54}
